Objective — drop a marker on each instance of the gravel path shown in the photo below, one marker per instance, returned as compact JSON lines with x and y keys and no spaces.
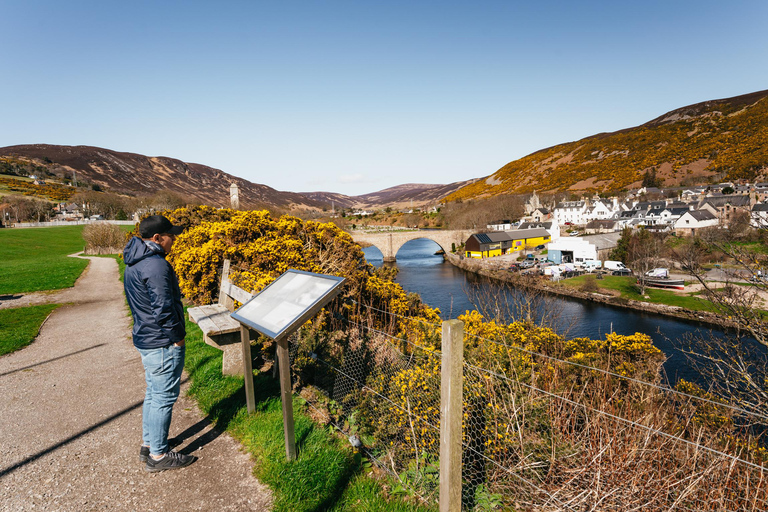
{"x":71,"y":421}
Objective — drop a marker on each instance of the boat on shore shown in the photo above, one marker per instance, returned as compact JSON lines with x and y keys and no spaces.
{"x":659,"y":278}
{"x":665,"y":282}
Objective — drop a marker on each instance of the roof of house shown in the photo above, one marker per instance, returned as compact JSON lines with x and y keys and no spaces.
{"x":701,"y":214}
{"x":722,"y":200}
{"x":530,"y":225}
{"x":493,"y":237}
{"x":519,"y":234}
{"x":760,"y":207}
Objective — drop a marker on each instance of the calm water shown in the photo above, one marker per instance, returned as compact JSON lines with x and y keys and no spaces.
{"x":454,"y":291}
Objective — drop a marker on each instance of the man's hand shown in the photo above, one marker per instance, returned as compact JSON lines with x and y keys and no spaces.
{"x":180,"y":343}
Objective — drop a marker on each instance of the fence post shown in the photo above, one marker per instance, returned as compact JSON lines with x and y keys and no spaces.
{"x":451,"y":410}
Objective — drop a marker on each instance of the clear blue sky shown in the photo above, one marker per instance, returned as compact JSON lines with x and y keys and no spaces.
{"x":356,"y":96}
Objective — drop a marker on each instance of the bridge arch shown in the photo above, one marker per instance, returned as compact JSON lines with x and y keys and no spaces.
{"x":390,"y":243}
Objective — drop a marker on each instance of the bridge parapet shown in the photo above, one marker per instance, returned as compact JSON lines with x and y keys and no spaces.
{"x":390,"y":243}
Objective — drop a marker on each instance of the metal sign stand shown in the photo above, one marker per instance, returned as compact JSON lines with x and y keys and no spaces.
{"x":277,"y":312}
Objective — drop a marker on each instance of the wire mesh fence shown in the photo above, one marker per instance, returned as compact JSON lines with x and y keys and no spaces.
{"x":539,"y":431}
{"x":387,"y":401}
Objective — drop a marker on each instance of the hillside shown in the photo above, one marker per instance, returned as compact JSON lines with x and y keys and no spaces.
{"x":400,"y":196}
{"x":723,"y":139}
{"x":140,"y":175}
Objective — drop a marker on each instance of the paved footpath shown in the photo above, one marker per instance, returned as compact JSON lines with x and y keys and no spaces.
{"x":70,"y":427}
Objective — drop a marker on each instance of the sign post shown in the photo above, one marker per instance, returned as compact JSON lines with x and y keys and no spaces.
{"x":277,"y":312}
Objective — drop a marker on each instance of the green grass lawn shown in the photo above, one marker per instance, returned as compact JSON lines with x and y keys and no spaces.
{"x":626,"y":286}
{"x":35,"y":259}
{"x":21,"y":325}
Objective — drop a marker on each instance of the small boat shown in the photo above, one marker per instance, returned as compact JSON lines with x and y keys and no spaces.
{"x":659,"y":278}
{"x":665,"y":282}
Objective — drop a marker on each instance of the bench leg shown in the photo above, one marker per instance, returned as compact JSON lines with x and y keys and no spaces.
{"x":229,"y":344}
{"x":232,"y":363}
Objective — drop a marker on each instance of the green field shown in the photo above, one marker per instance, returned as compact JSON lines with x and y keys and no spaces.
{"x":627,"y":288}
{"x":35,"y":259}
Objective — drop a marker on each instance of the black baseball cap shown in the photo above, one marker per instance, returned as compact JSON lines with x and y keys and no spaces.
{"x":157,"y":224}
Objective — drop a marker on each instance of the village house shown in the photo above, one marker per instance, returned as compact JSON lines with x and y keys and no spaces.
{"x":571,"y":212}
{"x":725,"y":206}
{"x":761,"y":191}
{"x":500,"y":225}
{"x":693,"y":220}
{"x":540,"y":215}
{"x":602,"y":209}
{"x":759,"y":217}
{"x":552,"y":228}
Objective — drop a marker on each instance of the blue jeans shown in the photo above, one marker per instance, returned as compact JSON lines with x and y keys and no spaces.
{"x":162,"y":371}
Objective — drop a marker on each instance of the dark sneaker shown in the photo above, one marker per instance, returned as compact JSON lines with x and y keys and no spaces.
{"x":171,"y":460}
{"x":144,"y":450}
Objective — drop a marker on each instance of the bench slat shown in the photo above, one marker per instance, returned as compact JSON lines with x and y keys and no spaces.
{"x":213,"y":319}
{"x":234,"y":291}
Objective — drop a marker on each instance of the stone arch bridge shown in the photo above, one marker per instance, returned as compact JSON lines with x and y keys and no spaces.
{"x":390,"y":243}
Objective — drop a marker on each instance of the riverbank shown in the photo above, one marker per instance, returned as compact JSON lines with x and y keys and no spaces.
{"x":493,"y":269}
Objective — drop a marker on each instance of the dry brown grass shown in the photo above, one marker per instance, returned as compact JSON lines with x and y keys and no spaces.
{"x":103,"y":238}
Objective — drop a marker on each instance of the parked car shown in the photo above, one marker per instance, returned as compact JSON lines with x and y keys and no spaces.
{"x":575,"y":233}
{"x":540,"y":247}
{"x":622,"y":272}
{"x":530,"y":257}
{"x":527,"y":264}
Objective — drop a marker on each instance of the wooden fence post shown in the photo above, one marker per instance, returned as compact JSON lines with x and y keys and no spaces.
{"x":451,"y":410}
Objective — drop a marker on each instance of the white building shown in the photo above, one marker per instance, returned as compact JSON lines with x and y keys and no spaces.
{"x":759,"y":216}
{"x":693,"y":220}
{"x":571,"y":250}
{"x":571,"y":212}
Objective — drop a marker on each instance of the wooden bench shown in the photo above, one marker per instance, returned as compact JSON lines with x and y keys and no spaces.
{"x":219,"y":329}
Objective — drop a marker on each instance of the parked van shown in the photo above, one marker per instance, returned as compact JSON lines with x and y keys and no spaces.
{"x":614,"y":265}
{"x":592,"y":265}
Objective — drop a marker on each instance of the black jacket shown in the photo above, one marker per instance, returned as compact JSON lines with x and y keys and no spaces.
{"x":153,"y":294}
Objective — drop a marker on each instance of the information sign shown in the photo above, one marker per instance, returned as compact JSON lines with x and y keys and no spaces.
{"x":288,"y":302}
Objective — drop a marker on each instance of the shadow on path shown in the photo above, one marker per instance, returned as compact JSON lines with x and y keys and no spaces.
{"x":68,"y":440}
{"x":51,"y":360}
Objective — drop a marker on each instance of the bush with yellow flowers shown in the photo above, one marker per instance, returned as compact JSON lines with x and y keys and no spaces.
{"x":375,"y":352}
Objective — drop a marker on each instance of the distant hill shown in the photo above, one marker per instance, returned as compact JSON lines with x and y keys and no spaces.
{"x":400,"y":196}
{"x":139,"y":175}
{"x":718,"y":140}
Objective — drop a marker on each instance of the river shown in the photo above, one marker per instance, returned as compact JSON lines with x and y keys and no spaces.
{"x":454,"y":291}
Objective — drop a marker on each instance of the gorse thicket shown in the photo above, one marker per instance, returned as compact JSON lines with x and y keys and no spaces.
{"x":390,"y":340}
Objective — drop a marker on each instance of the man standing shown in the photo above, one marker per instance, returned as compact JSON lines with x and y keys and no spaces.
{"x":153,"y":294}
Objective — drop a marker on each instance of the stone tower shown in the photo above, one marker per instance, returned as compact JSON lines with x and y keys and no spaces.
{"x":234,"y":197}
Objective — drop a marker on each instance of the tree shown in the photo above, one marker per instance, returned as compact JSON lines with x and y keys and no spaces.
{"x":621,"y":251}
{"x":643,"y":253}
{"x":650,"y":179}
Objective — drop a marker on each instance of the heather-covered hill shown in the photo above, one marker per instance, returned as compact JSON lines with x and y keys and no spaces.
{"x":713,"y":140}
{"x":138,"y":175}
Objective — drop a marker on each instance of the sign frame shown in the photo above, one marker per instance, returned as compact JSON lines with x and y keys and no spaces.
{"x":286,"y":330}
